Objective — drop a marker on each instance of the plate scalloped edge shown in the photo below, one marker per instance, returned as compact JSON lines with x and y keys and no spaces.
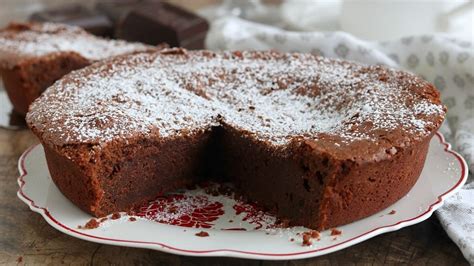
{"x":239,"y":253}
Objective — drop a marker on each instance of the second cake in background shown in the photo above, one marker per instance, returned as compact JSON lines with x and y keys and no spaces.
{"x":34,"y":55}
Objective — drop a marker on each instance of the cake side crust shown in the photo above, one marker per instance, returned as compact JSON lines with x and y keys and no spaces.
{"x":29,"y":78}
{"x":303,"y":188}
{"x":360,"y":190}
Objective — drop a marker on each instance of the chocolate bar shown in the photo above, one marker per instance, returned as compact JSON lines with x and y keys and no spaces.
{"x":148,"y":21}
{"x":117,"y":10}
{"x":77,"y":15}
{"x":164,"y":23}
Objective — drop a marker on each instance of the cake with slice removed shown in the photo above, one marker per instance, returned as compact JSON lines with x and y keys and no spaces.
{"x":316,"y":141}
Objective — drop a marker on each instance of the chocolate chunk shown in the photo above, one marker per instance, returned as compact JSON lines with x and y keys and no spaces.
{"x":77,"y":15}
{"x":117,"y":10}
{"x":167,"y":23}
{"x":335,"y":232}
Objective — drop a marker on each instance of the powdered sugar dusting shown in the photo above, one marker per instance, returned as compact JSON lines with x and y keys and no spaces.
{"x":22,"y":41}
{"x":184,"y":210}
{"x":203,"y":208}
{"x":274,"y":97}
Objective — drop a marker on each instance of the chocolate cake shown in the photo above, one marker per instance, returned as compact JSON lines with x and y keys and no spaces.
{"x":316,"y":141}
{"x":34,"y":55}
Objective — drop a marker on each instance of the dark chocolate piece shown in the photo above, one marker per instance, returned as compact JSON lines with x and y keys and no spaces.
{"x":77,"y":15}
{"x":117,"y":10}
{"x":168,"y":23}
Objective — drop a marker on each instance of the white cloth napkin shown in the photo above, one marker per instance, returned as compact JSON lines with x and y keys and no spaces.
{"x":442,"y":59}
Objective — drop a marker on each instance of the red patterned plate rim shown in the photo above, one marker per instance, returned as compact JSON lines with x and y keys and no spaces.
{"x":242,"y":253}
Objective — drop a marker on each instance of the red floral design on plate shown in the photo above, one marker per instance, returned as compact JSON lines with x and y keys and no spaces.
{"x":254,"y":215}
{"x":182,"y":210}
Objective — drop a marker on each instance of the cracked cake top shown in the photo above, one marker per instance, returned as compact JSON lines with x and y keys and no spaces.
{"x":274,"y":97}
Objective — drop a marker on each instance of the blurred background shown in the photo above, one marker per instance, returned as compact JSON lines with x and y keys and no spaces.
{"x":367,"y":19}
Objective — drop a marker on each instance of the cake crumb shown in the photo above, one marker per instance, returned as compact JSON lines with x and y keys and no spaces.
{"x":335,"y":232}
{"x":307,"y":240}
{"x":19,"y":259}
{"x":91,"y":224}
{"x":292,"y":239}
{"x":282,"y":223}
{"x":202,"y":234}
{"x":231,"y":221}
{"x":173,"y":210}
{"x":392,"y":212}
{"x":315,"y":234}
{"x":132,"y":219}
{"x":308,"y":236}
{"x":115,"y":216}
{"x":215,"y":190}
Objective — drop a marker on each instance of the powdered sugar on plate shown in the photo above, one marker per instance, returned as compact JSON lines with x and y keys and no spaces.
{"x":197,"y":208}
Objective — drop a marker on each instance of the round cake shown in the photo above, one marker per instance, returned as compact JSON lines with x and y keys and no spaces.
{"x":316,"y":141}
{"x":34,"y":55}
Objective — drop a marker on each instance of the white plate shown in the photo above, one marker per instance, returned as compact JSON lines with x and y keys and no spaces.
{"x":444,"y":173}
